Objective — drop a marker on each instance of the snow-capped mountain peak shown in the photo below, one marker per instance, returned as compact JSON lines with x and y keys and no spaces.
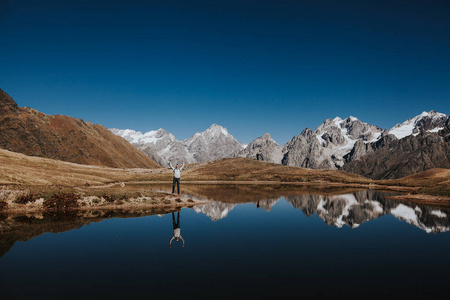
{"x":130,"y":135}
{"x":326,"y":147}
{"x":337,"y":120}
{"x":430,"y":121}
{"x":217,"y":129}
{"x":213,"y":143}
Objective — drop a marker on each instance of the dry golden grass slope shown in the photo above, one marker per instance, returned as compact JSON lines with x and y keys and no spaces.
{"x":19,"y":169}
{"x":245,"y":169}
{"x":433,"y":182}
{"x":16,"y":168}
{"x":28,"y":131}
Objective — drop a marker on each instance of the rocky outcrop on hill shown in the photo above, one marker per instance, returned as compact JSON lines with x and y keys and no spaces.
{"x":30,"y":132}
{"x":7,"y":104}
{"x":263,"y":148}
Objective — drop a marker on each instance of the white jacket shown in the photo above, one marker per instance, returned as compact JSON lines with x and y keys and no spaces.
{"x":176,"y":172}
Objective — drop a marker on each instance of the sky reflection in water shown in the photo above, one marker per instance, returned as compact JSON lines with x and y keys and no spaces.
{"x":296,"y":248}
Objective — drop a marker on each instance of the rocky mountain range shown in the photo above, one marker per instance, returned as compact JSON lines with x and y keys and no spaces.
{"x":31,"y":132}
{"x":344,"y":144}
{"x":212,"y":144}
{"x":325,"y":147}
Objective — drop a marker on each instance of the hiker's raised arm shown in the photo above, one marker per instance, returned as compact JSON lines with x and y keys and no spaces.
{"x":182,"y":240}
{"x":182,"y":166}
{"x":170,"y":164}
{"x":170,"y":242}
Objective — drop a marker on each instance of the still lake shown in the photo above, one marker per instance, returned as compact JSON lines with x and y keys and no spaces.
{"x":246,"y":244}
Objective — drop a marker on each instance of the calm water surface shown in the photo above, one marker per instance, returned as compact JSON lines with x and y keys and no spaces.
{"x":355,"y":245}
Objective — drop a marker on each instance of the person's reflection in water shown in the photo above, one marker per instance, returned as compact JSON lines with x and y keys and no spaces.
{"x":176,"y":230}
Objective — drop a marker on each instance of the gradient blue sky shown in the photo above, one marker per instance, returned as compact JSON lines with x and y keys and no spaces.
{"x":250,"y":66}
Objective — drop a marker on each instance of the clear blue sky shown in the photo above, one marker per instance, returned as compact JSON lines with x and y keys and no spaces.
{"x":250,"y":66}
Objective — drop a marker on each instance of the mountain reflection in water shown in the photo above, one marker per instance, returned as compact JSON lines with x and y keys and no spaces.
{"x":348,"y":209}
{"x":264,"y":242}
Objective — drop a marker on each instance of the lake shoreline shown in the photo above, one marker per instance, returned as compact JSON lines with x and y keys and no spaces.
{"x":407,"y":193}
{"x":157,"y":200}
{"x":92,"y":197}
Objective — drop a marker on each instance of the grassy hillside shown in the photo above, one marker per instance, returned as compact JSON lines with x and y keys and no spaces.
{"x":21,"y":170}
{"x":245,"y":169}
{"x":16,"y":168}
{"x":432,"y":182}
{"x":25,"y":130}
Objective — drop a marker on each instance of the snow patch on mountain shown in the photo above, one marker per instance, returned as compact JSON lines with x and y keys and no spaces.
{"x":413,"y":125}
{"x":214,"y":143}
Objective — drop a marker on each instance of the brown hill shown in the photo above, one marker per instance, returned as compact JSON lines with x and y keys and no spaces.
{"x":30,"y":132}
{"x":432,"y":182}
{"x":20,"y":169}
{"x":24,"y":171}
{"x":246,"y":169}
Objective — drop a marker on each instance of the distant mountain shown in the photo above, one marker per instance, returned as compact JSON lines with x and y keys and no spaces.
{"x":326,"y":147}
{"x":367,"y":150}
{"x":332,"y":145}
{"x":263,"y":148}
{"x":427,"y":121}
{"x":407,"y":156}
{"x":159,"y":145}
{"x":30,"y":132}
{"x":212,"y":144}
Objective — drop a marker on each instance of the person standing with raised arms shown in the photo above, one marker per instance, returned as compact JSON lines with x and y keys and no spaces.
{"x":176,"y":176}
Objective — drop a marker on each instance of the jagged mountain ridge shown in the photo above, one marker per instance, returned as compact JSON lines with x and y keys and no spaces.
{"x":333,"y":144}
{"x":31,"y":132}
{"x":404,"y":157}
{"x":263,"y":148}
{"x":212,"y":144}
{"x":427,"y":121}
{"x":327,"y":145}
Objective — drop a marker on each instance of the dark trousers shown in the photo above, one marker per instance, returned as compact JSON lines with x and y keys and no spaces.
{"x":177,"y":224}
{"x":177,"y":181}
